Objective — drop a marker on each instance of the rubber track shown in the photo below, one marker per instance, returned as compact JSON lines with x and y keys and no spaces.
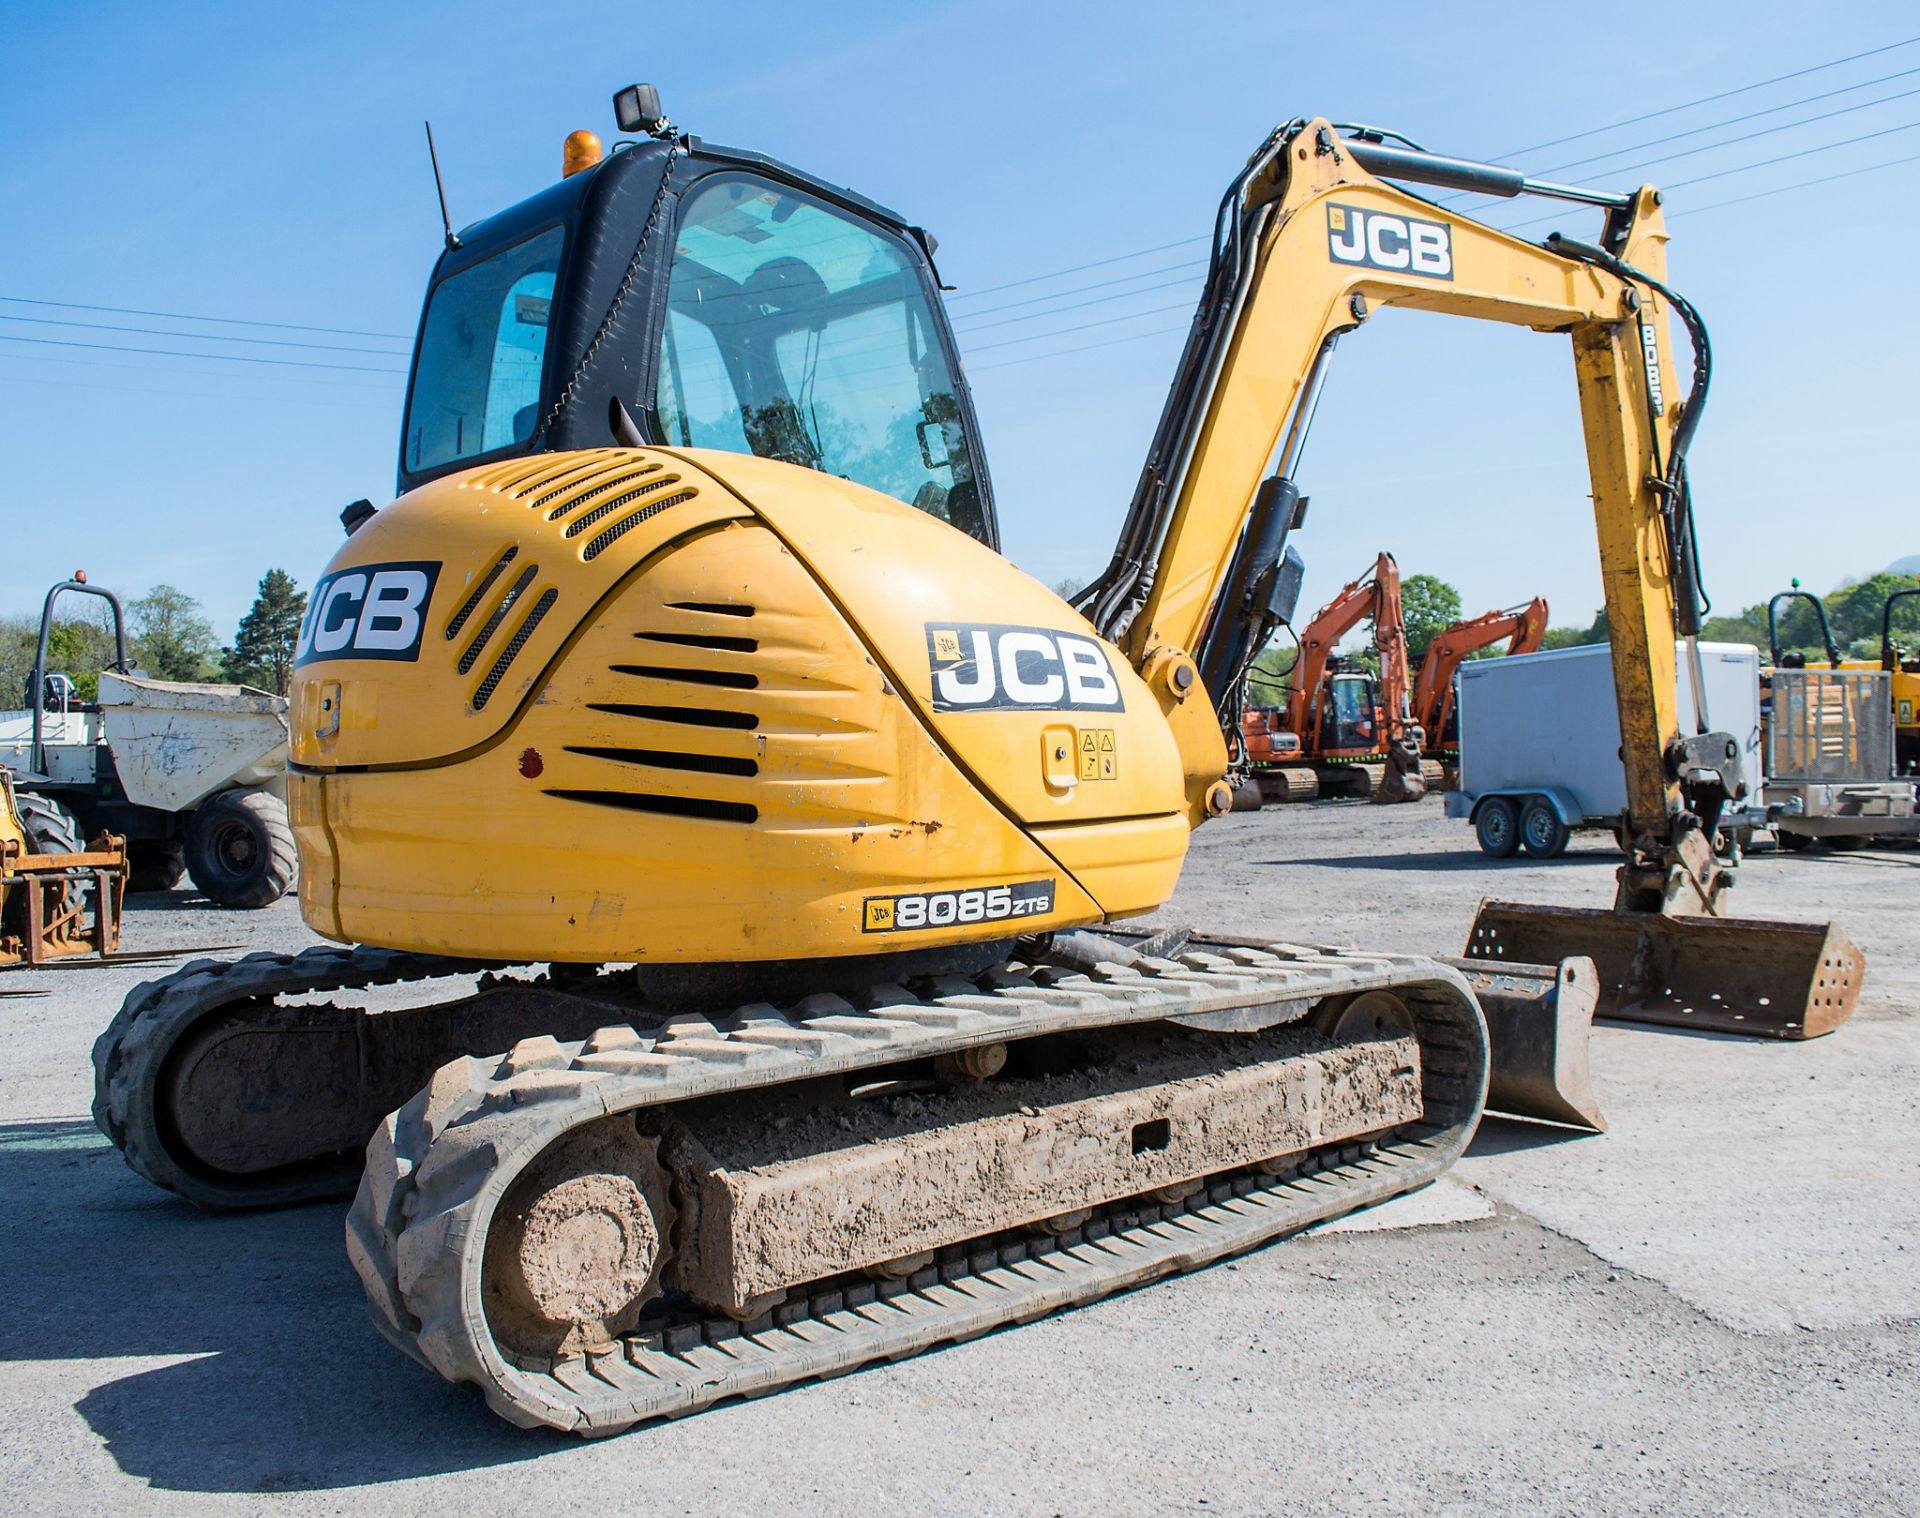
{"x":437,"y":1169}
{"x":157,"y":1014}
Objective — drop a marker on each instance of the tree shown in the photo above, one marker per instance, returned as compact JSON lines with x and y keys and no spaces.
{"x":262,"y":652}
{"x":1856,"y":609}
{"x":1070,"y":587}
{"x":171,"y":639}
{"x":1576,"y":637}
{"x":1267,"y":681}
{"x":1428,"y":607}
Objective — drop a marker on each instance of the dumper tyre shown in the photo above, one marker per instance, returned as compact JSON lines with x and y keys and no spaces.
{"x":240,"y":849}
{"x":1497,"y":825}
{"x":1542,"y":832}
{"x":52,"y":829}
{"x":155,"y":866}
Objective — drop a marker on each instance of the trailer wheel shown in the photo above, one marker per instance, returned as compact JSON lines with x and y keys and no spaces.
{"x":1497,"y":826}
{"x":155,"y":866}
{"x":240,"y":849}
{"x":1542,"y":831}
{"x":1792,"y":842}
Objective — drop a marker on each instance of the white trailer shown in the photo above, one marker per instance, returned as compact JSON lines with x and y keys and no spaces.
{"x":1540,"y":741}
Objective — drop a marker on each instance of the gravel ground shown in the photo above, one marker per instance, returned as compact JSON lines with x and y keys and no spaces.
{"x":1711,"y":1309}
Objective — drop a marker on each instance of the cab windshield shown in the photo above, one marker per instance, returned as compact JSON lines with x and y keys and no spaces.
{"x":797,"y":333}
{"x":1350,"y":721}
{"x":476,"y":385}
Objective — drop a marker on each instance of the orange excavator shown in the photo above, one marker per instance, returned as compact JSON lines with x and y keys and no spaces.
{"x":1433,"y":696}
{"x":1343,"y":731}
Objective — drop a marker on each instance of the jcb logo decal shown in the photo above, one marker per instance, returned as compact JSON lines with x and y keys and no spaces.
{"x":375,"y":611}
{"x":984,"y":667}
{"x":1380,"y":240}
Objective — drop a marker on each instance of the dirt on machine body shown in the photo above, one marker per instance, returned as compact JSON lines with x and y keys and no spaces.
{"x":758,"y":836}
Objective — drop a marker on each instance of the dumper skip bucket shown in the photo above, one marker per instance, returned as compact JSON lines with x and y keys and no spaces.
{"x":1725,"y":974}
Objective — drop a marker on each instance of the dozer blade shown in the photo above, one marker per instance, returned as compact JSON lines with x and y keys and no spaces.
{"x":1725,"y":974}
{"x":1538,"y":1021}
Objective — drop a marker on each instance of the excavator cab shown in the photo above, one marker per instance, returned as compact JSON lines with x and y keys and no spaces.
{"x":793,"y":320}
{"x":1350,"y":714}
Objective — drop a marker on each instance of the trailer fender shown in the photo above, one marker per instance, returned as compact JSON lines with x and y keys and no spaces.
{"x":1459,"y":804}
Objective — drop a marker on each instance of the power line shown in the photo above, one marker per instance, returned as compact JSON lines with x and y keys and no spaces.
{"x":1802,"y":184}
{"x":1098,"y":300}
{"x":192,"y":337}
{"x":1033,"y":358}
{"x":1035,"y":337}
{"x":225,"y":358}
{"x":1098,"y":284}
{"x":181,"y":316}
{"x":1745,"y":89}
{"x":1671,"y":110}
{"x":1098,"y":263}
{"x":1763,"y":132}
{"x":1772,"y":110}
{"x":1745,"y":168}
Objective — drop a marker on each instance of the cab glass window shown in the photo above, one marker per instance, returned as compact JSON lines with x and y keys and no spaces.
{"x":476,"y":385}
{"x":797,"y":332}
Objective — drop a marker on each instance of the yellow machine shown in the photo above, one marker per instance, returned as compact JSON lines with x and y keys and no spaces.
{"x":686,"y":667}
{"x":59,"y":895}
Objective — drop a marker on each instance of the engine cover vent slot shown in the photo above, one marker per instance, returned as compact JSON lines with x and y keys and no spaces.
{"x":666,"y":806}
{"x":550,"y":472}
{"x":685,"y":716}
{"x":551,"y":488}
{"x":713,"y":608}
{"x":625,"y":477}
{"x":468,"y":606}
{"x":719,"y":642}
{"x":670,"y":759}
{"x":492,"y":624}
{"x":601,"y":543}
{"x":519,"y":641}
{"x":605,"y":509}
{"x":724,"y":679}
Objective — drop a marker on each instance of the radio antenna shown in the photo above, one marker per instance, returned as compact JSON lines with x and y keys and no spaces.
{"x":439,"y":185}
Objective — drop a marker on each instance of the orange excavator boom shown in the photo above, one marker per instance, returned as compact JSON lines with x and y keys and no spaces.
{"x":1375,"y":594}
{"x":1524,"y":627}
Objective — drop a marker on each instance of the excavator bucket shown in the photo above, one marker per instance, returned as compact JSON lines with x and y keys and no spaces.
{"x":1538,"y":1020}
{"x":1789,"y":980}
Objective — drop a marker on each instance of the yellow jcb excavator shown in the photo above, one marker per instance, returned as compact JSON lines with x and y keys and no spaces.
{"x":683,"y":699}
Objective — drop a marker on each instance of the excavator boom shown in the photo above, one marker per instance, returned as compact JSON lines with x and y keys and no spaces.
{"x":1312,"y":241}
{"x":1524,"y":627}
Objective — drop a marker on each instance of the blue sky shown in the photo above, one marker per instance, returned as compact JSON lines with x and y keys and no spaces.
{"x":266,"y":163}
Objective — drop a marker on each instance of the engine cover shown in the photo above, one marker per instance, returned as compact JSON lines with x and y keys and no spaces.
{"x":682,"y":706}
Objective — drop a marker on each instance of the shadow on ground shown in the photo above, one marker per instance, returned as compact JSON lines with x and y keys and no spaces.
{"x":1461,"y":860}
{"x":1507,"y":1135}
{"x":290,"y":1388}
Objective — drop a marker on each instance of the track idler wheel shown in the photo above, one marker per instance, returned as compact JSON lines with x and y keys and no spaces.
{"x":578,"y":1245}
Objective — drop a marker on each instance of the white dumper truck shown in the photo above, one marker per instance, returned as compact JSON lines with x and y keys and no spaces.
{"x":192,"y":776}
{"x":1540,"y":742}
